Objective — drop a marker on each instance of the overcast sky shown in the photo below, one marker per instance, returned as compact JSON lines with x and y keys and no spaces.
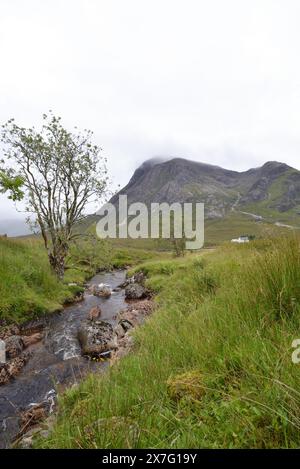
{"x":215,"y":81}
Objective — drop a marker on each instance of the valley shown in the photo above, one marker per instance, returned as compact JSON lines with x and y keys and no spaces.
{"x":199,"y":371}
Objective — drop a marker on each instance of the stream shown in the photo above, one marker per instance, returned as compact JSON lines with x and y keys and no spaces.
{"x":56,"y":361}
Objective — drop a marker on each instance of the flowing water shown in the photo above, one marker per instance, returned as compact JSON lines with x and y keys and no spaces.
{"x":56,"y":362}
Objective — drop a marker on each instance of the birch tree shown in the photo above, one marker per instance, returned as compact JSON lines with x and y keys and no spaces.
{"x":57,"y":173}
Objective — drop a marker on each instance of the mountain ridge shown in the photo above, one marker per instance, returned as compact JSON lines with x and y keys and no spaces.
{"x":272,"y":189}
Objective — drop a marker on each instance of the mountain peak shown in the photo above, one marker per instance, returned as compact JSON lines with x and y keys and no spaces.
{"x":275,"y":165}
{"x":271,"y":187}
{"x":274,"y":168}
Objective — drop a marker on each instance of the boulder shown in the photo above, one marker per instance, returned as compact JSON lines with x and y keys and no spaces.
{"x":78,"y":297}
{"x":102,"y":290}
{"x":96,"y":337}
{"x":134,"y":315}
{"x":126,"y":282}
{"x":13,"y":346}
{"x":13,"y":367}
{"x":135,"y":291}
{"x":125,"y":345}
{"x":33,"y":415}
{"x":7,"y":331}
{"x":35,"y":421}
{"x":139,"y":277}
{"x":4,"y":375}
{"x":94,"y":313}
{"x":122,"y":327}
{"x":42,"y":429}
{"x":31,"y":339}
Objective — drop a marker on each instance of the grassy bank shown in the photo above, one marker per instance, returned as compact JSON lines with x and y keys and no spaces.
{"x":212,"y":367}
{"x":29,"y":289}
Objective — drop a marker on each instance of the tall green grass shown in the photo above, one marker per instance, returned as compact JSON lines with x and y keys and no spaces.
{"x":29,"y":289}
{"x":27,"y":286}
{"x":211,"y":368}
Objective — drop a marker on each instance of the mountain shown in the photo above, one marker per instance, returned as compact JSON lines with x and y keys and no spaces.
{"x":271,"y":191}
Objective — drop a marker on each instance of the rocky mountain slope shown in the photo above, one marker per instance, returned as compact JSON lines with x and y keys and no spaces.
{"x":271,"y":191}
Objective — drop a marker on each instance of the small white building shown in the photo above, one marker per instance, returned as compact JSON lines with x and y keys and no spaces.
{"x":241,"y":239}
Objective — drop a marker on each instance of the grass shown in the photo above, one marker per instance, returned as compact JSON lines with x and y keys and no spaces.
{"x":28,"y":288}
{"x":211,"y":368}
{"x":235,"y":224}
{"x":217,"y":231}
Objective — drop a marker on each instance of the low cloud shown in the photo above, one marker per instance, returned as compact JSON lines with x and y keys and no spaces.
{"x":214,"y":81}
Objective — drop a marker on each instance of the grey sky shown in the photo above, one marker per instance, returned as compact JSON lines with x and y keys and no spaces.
{"x":214,"y":81}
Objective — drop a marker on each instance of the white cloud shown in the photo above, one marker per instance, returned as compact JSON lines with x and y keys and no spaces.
{"x":214,"y":81}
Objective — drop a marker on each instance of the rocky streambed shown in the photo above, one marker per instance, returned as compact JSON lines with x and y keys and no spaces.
{"x":51,"y":354}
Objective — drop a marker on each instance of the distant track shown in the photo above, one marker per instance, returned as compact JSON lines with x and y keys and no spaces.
{"x":259,"y":217}
{"x":276,"y":223}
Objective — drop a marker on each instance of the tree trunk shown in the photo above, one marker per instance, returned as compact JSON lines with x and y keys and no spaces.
{"x":57,"y":262}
